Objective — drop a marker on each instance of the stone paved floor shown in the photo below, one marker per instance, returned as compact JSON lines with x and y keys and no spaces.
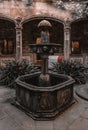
{"x":11,"y":118}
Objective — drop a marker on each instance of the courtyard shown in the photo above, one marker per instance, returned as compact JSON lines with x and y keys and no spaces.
{"x":12,"y":118}
{"x":41,"y":31}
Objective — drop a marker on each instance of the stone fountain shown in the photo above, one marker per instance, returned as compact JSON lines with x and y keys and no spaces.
{"x":44,"y":95}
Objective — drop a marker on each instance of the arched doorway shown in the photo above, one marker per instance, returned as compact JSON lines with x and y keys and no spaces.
{"x":7,"y":40}
{"x":7,"y":37}
{"x":31,"y":34}
{"x":79,"y":38}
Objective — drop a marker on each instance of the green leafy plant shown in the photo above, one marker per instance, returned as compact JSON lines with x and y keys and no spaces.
{"x":74,"y":69}
{"x":13,"y":69}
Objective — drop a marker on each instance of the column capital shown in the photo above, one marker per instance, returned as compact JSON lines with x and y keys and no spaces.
{"x":18,"y":23}
{"x":67,"y":24}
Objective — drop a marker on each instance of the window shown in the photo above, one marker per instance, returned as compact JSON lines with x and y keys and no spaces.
{"x":75,"y":47}
{"x":7,"y":47}
{"x":38,"y":40}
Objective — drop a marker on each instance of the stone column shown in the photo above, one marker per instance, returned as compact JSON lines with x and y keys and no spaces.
{"x":18,"y":39}
{"x":67,"y":40}
{"x":1,"y":42}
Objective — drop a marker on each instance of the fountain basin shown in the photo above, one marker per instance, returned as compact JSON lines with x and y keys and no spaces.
{"x":44,"y":103}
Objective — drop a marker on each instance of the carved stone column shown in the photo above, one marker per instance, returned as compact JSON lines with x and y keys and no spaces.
{"x":18,"y":39}
{"x":1,"y":42}
{"x":67,"y":40}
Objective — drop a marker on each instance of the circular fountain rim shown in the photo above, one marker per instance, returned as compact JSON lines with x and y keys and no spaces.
{"x":49,"y":88}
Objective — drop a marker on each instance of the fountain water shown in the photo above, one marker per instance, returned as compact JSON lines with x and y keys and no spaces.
{"x":43,"y":95}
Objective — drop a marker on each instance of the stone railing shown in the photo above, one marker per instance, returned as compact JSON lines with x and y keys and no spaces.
{"x":26,"y":57}
{"x":5,"y":60}
{"x":78,"y":59}
{"x":82,"y":59}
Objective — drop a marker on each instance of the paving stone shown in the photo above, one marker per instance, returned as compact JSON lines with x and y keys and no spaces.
{"x":6,"y":93}
{"x":85,"y":114}
{"x":18,"y":115}
{"x":12,"y":118}
{"x":2,"y":114}
{"x":9,"y":124}
{"x":69,"y":115}
{"x":44,"y":125}
{"x":60,"y":124}
{"x":79,"y":124}
{"x":60,"y":128}
{"x":27,"y":126}
{"x":44,"y":128}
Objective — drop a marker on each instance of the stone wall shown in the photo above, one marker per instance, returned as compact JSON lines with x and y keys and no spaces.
{"x":12,"y":8}
{"x":18,"y":8}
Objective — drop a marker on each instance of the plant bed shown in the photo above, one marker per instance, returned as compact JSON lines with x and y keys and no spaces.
{"x":74,"y":69}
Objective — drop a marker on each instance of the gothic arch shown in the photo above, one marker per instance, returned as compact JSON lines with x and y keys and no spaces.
{"x":77,"y":20}
{"x":79,"y":35}
{"x":31,"y":33}
{"x":41,"y":17}
{"x":7,"y":35}
{"x":57,"y":25}
{"x":8,"y":18}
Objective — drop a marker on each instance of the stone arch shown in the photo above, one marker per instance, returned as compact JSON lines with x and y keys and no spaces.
{"x":56,"y":33}
{"x":7,"y":35}
{"x":79,"y":19}
{"x":8,"y":18}
{"x":79,"y":36}
{"x":41,"y":17}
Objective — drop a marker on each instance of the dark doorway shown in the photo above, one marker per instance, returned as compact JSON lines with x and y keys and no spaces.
{"x":79,"y":37}
{"x":7,"y":37}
